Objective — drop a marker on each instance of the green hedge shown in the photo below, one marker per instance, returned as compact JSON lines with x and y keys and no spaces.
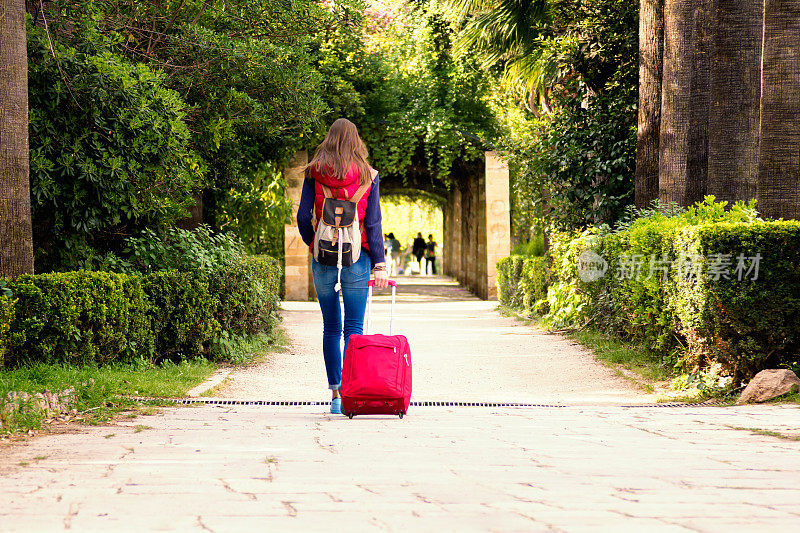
{"x":79,"y":317}
{"x":522,"y":283}
{"x":182,"y":313}
{"x":6,"y":316}
{"x":745,"y":324}
{"x":533,"y":285}
{"x":682,"y":313}
{"x":247,"y":294}
{"x":84,"y":317}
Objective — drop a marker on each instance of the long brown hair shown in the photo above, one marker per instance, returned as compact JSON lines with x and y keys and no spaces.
{"x":341,"y":148}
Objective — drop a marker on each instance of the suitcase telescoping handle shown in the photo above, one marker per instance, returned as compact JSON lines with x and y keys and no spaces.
{"x":393,"y":284}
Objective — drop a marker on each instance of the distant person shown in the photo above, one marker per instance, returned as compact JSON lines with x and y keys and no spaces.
{"x":340,"y":166}
{"x":394,"y":253}
{"x":418,"y":249}
{"x":430,"y":254}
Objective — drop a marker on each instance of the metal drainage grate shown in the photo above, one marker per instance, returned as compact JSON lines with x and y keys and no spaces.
{"x":707,"y":403}
{"x":216,"y":401}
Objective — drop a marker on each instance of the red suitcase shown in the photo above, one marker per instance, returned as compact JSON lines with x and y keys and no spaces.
{"x":376,"y":378}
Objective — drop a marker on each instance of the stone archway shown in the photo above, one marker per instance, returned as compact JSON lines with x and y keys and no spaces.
{"x":477,"y":230}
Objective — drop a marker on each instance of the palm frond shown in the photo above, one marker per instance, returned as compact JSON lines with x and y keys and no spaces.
{"x":503,"y":30}
{"x":461,"y":9}
{"x":543,"y":67}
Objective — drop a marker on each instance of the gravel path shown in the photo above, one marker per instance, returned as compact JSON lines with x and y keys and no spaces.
{"x":462,"y":350}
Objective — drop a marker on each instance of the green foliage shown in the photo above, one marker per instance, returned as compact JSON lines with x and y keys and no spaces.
{"x":522,"y":283}
{"x":430,"y":110}
{"x":110,"y":150}
{"x":182,"y":314}
{"x":79,"y":318}
{"x":199,"y":251}
{"x":534,"y":247}
{"x":533,"y":285}
{"x":247,"y":294}
{"x":6,"y":316}
{"x":580,"y":162}
{"x":635,"y":297}
{"x":573,"y":164}
{"x":509,"y":270}
{"x":245,"y":289}
{"x":256,"y":77}
{"x":660,"y":290}
{"x":207,"y":273}
{"x":101,"y":317}
{"x":258,"y":211}
{"x":744,"y":325}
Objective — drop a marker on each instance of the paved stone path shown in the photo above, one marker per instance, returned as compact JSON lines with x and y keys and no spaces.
{"x":462,"y":350}
{"x":582,"y":467}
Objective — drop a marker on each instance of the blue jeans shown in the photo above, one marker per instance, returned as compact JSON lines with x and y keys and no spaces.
{"x":354,"y":294}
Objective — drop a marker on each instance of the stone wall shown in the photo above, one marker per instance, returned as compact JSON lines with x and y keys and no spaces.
{"x":299,"y":285}
{"x":498,"y":218}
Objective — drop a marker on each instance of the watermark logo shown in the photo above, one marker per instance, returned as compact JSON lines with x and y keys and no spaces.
{"x":591,"y":266}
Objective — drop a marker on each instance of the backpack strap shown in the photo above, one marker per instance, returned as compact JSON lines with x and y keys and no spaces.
{"x":329,"y":194}
{"x":360,"y":192}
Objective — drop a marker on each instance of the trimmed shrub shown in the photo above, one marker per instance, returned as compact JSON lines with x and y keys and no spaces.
{"x":509,"y":274}
{"x":79,"y":317}
{"x":533,"y":285}
{"x":680,"y":282}
{"x":182,"y":314}
{"x":6,"y":316}
{"x":726,"y":315}
{"x":504,"y":288}
{"x":247,"y":292}
{"x":522,"y":282}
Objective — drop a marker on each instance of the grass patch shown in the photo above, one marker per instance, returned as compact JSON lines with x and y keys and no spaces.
{"x":792,"y":398}
{"x":140,"y":427}
{"x":100,"y":392}
{"x":630,"y":356}
{"x":165,"y":380}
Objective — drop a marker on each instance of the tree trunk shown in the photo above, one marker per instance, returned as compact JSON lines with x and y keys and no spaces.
{"x":683,"y":139}
{"x":735,"y":93}
{"x":16,"y":241}
{"x":697,"y":178}
{"x":778,"y":189}
{"x":651,"y":56}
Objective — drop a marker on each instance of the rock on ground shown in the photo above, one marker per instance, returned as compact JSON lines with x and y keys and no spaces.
{"x":769,"y":384}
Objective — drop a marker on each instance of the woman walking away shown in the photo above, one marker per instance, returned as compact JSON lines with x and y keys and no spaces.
{"x":430,"y":254}
{"x":339,"y":173}
{"x":418,"y":249}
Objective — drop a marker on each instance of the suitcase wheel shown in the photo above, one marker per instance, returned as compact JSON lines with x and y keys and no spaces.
{"x":350,"y":415}
{"x":400,"y":415}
